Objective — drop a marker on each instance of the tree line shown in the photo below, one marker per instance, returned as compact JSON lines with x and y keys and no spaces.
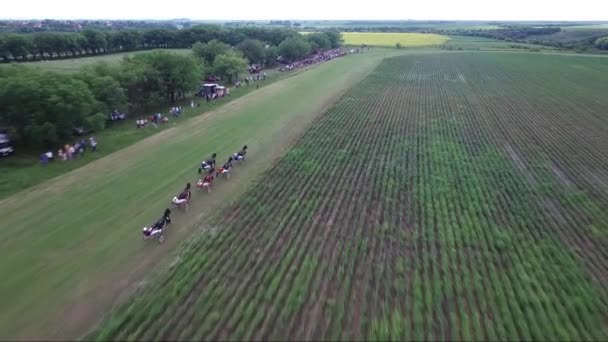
{"x":41,"y":108}
{"x":51,"y":25}
{"x":54,"y":45}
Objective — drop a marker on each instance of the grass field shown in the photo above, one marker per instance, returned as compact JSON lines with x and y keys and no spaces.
{"x":452,"y":196}
{"x":586,"y":27}
{"x":75,"y":64}
{"x":481,"y":43}
{"x":390,"y":39}
{"x":72,"y":245}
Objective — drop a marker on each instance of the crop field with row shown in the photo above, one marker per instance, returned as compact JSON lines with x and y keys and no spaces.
{"x":390,"y":39}
{"x":447,"y":196}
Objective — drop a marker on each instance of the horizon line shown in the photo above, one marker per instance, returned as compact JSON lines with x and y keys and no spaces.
{"x":275,"y":19}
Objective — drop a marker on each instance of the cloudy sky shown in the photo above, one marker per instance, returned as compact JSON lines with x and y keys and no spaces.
{"x":309,"y":9}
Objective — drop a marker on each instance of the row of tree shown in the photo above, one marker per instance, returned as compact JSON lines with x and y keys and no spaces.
{"x":51,"y":25}
{"x":51,"y":45}
{"x":226,"y":61}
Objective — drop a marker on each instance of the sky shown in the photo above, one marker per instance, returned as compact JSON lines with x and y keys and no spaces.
{"x":579,"y":10}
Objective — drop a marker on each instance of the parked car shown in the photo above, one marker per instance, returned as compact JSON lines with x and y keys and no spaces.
{"x":6,"y":145}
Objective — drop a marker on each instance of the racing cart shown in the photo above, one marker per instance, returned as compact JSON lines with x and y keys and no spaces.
{"x":156,"y":232}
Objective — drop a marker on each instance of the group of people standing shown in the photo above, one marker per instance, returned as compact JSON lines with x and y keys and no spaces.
{"x":251,"y":80}
{"x":315,"y":58}
{"x":69,"y":152}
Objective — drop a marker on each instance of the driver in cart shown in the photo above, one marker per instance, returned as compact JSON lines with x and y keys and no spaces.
{"x":240,"y":155}
{"x":183,"y":198}
{"x":207,"y":164}
{"x":160,"y":224}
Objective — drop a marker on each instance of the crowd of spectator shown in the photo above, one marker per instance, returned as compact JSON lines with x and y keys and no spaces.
{"x":315,"y":58}
{"x":69,"y":152}
{"x":249,"y":80}
{"x":158,"y":118}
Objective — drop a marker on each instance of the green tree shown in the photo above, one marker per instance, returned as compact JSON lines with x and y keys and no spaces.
{"x":96,"y":41}
{"x":4,"y":53}
{"x":294,"y":48}
{"x":158,"y":38}
{"x":209,"y":51}
{"x":19,"y":46}
{"x":44,"y":107}
{"x":319,"y":41}
{"x":48,"y":44}
{"x":252,"y":49}
{"x":229,"y":65}
{"x":105,"y":88}
{"x":602,"y":43}
{"x":163,"y":74}
{"x":270,"y":56}
{"x":398,"y":45}
{"x":75,"y":43}
{"x":335,"y":38}
{"x":141,"y":83}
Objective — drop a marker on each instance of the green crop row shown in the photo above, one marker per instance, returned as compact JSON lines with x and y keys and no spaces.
{"x":438,"y":199}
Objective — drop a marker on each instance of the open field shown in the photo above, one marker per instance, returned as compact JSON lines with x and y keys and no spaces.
{"x":75,"y":64}
{"x":390,"y":39}
{"x":453,"y":196}
{"x":71,"y":246}
{"x":586,"y":27}
{"x":411,"y":24}
{"x":481,"y":43}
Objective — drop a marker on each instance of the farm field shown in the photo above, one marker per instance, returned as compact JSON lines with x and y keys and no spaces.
{"x":390,"y":39}
{"x":481,"y":43}
{"x":75,"y":64}
{"x":451,"y":25}
{"x":72,"y":246}
{"x":454,"y":196}
{"x":586,"y":27}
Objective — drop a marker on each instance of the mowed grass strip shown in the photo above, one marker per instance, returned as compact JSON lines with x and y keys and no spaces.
{"x":72,"y":245}
{"x":390,"y":39}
